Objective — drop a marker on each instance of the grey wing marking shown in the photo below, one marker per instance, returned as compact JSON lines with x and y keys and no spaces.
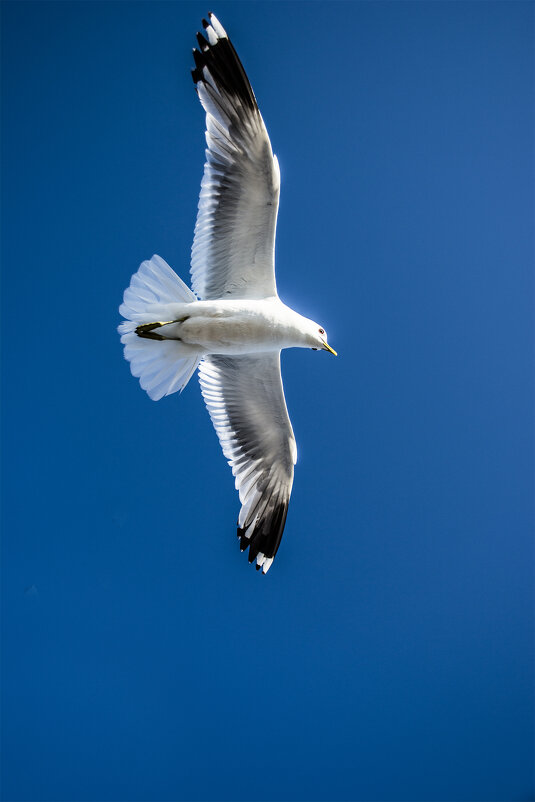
{"x":233,"y":248}
{"x":245,"y":399}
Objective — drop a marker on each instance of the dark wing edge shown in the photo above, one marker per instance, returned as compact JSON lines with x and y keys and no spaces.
{"x":245,"y":399}
{"x":219,"y":56}
{"x":233,"y":247}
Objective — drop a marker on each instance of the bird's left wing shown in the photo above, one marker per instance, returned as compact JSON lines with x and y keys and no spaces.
{"x":233,"y":248}
{"x":245,"y":399}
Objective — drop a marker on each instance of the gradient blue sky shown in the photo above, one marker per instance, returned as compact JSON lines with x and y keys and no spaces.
{"x":388,"y":655}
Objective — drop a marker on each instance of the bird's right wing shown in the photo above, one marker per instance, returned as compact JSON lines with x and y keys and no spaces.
{"x":233,"y":248}
{"x":245,"y":399}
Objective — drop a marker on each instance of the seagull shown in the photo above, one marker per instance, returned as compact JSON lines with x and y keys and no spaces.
{"x":232,"y":324}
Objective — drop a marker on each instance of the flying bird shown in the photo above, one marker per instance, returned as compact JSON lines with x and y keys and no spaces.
{"x":232,"y":325}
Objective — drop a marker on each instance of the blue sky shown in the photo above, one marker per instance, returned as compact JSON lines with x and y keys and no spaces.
{"x":388,"y":654}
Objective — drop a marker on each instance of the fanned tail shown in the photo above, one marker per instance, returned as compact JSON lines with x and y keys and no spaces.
{"x":163,"y":366}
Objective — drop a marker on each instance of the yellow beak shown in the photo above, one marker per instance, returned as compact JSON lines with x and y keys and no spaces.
{"x":328,"y":348}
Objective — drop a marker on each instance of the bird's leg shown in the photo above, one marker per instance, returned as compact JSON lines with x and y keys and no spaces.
{"x":146,"y":330}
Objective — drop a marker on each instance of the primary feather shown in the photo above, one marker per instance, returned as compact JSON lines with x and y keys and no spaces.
{"x":233,"y":325}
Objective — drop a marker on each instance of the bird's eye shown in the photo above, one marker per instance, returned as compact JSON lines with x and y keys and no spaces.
{"x":322,"y":331}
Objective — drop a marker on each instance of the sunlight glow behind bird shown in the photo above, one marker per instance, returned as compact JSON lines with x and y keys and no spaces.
{"x":233,"y":325}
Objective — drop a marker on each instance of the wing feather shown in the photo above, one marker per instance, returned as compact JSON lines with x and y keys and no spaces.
{"x":233,"y":248}
{"x":245,"y":399}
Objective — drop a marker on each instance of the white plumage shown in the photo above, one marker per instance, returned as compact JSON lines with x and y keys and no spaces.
{"x":233,"y":325}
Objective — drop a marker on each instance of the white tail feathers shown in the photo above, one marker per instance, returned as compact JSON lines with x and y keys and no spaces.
{"x":162,"y":366}
{"x":154,"y":283}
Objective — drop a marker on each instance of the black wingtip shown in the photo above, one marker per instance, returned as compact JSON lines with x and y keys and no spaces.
{"x":201,"y":41}
{"x":226,"y":69}
{"x":266,"y":535}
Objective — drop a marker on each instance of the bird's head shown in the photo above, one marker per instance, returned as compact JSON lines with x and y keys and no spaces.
{"x":318,"y":337}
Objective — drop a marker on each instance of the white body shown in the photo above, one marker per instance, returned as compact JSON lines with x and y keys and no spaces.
{"x":235,"y":334}
{"x":233,"y":327}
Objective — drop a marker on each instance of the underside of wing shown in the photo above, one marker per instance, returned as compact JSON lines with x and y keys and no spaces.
{"x":233,"y":248}
{"x":245,"y":399}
